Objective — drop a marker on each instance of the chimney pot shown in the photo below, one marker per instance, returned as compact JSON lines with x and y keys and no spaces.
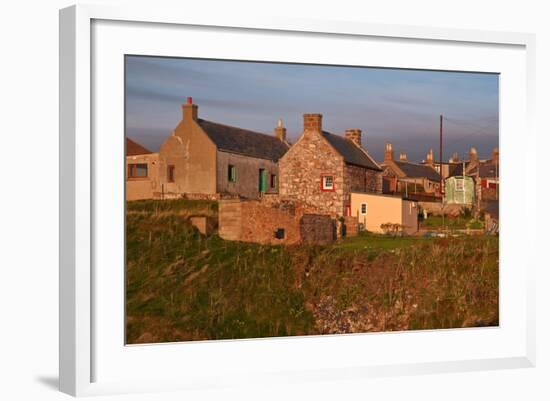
{"x":190,"y":110}
{"x":280,"y":131}
{"x":388,"y":153}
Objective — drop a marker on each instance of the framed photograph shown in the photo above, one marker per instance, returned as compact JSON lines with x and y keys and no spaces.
{"x":270,"y":200}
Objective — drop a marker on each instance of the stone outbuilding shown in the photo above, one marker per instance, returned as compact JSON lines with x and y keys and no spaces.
{"x":205,"y":158}
{"x":322,"y":169}
{"x":142,"y":171}
{"x":273,"y":221}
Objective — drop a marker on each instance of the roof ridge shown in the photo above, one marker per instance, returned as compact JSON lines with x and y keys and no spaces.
{"x":347,"y":158}
{"x":368,"y":155}
{"x":239,"y":128}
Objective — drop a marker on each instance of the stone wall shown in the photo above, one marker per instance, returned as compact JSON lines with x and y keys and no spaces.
{"x":437,"y":209}
{"x":351,"y":225}
{"x":315,"y":228}
{"x":229,"y":219}
{"x":205,"y":224}
{"x":259,"y":221}
{"x":362,"y":179}
{"x":301,"y":169}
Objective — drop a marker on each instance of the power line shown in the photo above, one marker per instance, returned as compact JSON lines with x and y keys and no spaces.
{"x":469,"y":123}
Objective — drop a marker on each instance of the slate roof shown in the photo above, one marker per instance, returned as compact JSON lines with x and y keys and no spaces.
{"x":455,"y":169}
{"x":488,"y":170}
{"x":350,"y":152}
{"x":414,"y":170}
{"x":244,"y":142}
{"x":133,"y":148}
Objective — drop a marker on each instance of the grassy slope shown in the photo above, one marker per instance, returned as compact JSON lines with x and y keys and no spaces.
{"x":184,"y":286}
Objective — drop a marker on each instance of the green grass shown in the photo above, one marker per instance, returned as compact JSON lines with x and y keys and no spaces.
{"x":181,"y":285}
{"x":375,"y":244}
{"x":436,"y":222}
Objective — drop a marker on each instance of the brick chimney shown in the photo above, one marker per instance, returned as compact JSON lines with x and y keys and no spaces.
{"x":454,"y":158}
{"x":495,"y":156}
{"x":403,"y":157}
{"x":388,"y":152}
{"x":354,"y":135}
{"x":313,"y":122}
{"x":430,"y":157}
{"x":280,"y":131}
{"x":190,"y":110}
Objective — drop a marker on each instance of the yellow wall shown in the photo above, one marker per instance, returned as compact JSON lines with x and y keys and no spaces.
{"x":143,"y":188}
{"x":193,"y":155}
{"x":382,"y":209}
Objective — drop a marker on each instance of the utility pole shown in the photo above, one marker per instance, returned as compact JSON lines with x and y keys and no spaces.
{"x":464,"y":180}
{"x":441,"y":156}
{"x":441,"y":167}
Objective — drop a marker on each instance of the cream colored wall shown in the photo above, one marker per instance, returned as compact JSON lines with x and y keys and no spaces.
{"x":409,"y":216}
{"x":382,"y":209}
{"x":193,"y":155}
{"x":143,"y":188}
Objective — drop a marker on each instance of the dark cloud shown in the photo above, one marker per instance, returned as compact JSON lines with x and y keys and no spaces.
{"x":400,"y":106}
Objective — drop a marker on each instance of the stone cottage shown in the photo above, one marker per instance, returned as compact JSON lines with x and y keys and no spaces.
{"x":405,"y":177}
{"x":204,"y":158}
{"x":322,"y":169}
{"x":142,"y":171}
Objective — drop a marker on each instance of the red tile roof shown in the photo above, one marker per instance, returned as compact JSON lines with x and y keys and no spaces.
{"x":134,"y":148}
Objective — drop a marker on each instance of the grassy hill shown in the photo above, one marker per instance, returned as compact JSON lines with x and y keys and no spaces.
{"x":181,"y":285}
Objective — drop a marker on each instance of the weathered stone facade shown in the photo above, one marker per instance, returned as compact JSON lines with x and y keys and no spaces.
{"x":303,"y":167}
{"x":361,"y":179}
{"x":271,"y":222}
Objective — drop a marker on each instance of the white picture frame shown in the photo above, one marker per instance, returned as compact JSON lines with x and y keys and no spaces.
{"x":86,"y":331}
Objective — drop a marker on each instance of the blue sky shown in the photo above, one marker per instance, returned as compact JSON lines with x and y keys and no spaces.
{"x":389,"y":105}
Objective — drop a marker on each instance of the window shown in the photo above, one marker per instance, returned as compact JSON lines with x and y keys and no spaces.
{"x":280,"y":233}
{"x":327,"y":183}
{"x":137,"y":170}
{"x":171,"y":173}
{"x":363,"y":208}
{"x":273,"y":180}
{"x":231,"y":173}
{"x":459,"y":184}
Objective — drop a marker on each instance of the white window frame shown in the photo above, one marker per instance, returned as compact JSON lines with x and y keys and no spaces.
{"x":324,"y":182}
{"x":460,"y":188}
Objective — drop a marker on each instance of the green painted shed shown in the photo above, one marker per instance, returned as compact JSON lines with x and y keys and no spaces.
{"x":459,"y":190}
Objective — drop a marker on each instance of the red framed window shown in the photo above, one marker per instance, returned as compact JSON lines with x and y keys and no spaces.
{"x":327,"y":182}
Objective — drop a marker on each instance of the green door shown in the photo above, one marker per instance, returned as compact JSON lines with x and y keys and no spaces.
{"x":262,"y":180}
